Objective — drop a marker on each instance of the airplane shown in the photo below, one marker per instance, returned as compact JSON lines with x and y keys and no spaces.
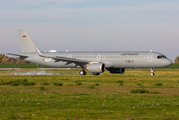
{"x":94,"y":62}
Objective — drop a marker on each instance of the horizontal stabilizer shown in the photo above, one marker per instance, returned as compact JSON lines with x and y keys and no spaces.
{"x":18,"y":55}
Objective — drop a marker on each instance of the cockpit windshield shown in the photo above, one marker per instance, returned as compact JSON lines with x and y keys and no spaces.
{"x":161,"y":56}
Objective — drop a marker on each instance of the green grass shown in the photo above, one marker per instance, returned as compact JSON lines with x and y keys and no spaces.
{"x":57,"y":83}
{"x":173,"y":66}
{"x":92,"y":86}
{"x":78,"y":83}
{"x":99,"y":97}
{"x":21,"y":65}
{"x":45,"y":83}
{"x":139,"y":91}
{"x":120,"y":82}
{"x":158,"y":84}
{"x":17,"y":83}
{"x":42,"y":88}
{"x":97,"y":84}
{"x":154,"y":92}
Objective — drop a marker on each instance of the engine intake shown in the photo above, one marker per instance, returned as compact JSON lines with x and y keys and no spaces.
{"x":96,"y":67}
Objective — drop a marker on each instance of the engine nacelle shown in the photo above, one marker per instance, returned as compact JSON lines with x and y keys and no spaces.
{"x":96,"y":67}
{"x":116,"y":70}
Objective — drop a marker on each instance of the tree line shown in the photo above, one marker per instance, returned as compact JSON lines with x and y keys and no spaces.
{"x":176,"y":59}
{"x":6,"y":59}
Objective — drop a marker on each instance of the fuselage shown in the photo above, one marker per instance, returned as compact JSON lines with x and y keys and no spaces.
{"x":120,"y":59}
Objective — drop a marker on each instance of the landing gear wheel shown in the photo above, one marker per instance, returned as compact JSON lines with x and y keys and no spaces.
{"x":152,"y":74}
{"x":96,"y":73}
{"x":152,"y":71}
{"x":82,"y":72}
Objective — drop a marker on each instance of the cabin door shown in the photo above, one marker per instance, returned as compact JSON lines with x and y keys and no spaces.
{"x":70,"y":55}
{"x":37,"y":57}
{"x":98,"y":57}
{"x":149,"y":58}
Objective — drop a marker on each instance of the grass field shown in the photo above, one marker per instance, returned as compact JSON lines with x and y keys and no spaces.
{"x":21,"y":65}
{"x":69,"y":96}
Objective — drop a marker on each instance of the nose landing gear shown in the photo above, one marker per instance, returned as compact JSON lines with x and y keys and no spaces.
{"x":152,"y":71}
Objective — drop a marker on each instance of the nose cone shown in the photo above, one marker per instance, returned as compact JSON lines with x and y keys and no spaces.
{"x":168,"y":62}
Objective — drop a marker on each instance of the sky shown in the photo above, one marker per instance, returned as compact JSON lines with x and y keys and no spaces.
{"x":92,"y":25}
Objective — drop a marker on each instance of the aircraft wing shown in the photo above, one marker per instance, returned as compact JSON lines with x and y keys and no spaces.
{"x":68,"y":60}
{"x":64,"y":59}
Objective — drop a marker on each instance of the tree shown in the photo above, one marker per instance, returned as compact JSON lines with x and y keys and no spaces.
{"x":176,"y":59}
{"x":1,"y":57}
{"x":21,"y":61}
{"x":7,"y":60}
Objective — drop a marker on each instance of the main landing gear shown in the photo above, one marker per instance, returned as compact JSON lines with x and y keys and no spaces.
{"x":152,"y":71}
{"x":82,"y":72}
{"x":96,"y":73}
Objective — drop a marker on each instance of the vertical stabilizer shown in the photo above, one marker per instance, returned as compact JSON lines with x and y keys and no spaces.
{"x":26,"y":43}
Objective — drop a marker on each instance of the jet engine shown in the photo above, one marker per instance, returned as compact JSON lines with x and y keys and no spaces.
{"x":116,"y":70}
{"x":96,"y":67}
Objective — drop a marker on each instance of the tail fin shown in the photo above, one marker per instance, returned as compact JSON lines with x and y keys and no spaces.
{"x":26,"y":43}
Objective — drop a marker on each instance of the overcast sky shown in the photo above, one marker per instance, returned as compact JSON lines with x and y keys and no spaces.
{"x":92,"y":25}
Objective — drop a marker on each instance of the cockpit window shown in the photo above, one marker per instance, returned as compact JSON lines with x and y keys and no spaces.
{"x":161,"y":56}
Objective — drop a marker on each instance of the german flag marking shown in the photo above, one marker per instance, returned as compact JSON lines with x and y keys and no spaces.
{"x":24,"y":37}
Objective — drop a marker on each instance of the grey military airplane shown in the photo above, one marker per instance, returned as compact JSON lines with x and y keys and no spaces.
{"x":94,"y":62}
